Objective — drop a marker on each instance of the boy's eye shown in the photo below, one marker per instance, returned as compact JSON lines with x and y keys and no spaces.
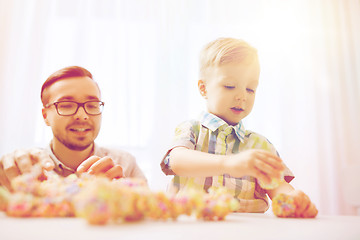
{"x":250,"y":90}
{"x":229,"y":86}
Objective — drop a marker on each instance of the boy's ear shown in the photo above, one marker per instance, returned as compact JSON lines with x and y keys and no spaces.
{"x":202,"y":88}
{"x":44,"y":114}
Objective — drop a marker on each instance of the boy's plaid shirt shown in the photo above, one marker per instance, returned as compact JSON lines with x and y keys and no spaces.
{"x":213,"y":135}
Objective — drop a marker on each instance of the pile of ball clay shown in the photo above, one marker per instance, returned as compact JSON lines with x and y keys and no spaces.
{"x":283,"y":206}
{"x":100,"y":200}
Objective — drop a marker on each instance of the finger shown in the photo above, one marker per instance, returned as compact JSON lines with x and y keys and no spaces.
{"x":311,"y":212}
{"x":267,"y":169}
{"x":23,"y":161}
{"x":4,"y":181}
{"x":302,"y":203}
{"x":101,"y":166}
{"x":10,"y":168}
{"x":8,"y":161}
{"x":269,"y":154}
{"x":272,"y":160}
{"x":42,"y":157}
{"x":12,"y":173}
{"x":115,"y":172}
{"x":85,"y":165}
{"x":261,"y":176}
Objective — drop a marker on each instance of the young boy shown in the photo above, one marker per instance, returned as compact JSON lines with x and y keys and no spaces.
{"x":216,"y":150}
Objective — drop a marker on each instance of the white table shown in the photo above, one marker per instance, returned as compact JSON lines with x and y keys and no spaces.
{"x":236,"y":226}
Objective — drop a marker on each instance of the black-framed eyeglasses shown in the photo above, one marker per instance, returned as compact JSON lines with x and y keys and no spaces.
{"x":69,"y":108}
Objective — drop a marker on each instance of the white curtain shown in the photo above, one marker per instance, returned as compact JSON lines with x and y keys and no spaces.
{"x":144,"y":55}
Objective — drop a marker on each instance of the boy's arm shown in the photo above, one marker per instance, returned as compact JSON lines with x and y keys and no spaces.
{"x":304,"y":207}
{"x":284,"y":187}
{"x":260,"y":164}
{"x":191,"y":163}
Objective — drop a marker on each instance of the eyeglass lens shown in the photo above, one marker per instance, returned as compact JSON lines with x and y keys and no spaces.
{"x":70,"y":108}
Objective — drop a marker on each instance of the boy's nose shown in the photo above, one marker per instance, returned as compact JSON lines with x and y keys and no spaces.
{"x":240,"y":96}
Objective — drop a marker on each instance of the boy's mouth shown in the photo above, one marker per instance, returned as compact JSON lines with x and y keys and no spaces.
{"x":237,"y":110}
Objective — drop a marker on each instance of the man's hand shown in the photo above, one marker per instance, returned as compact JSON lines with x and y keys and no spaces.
{"x":101,"y":166}
{"x":22,"y":161}
{"x":260,"y":164}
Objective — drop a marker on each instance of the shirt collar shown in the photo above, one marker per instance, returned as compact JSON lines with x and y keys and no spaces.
{"x":61,"y":167}
{"x":213,"y":123}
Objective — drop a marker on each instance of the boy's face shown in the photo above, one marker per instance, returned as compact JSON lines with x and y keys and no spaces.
{"x":76,"y":132}
{"x":230,"y":90}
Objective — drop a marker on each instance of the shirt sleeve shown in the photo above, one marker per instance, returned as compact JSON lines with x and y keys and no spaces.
{"x":288,"y":175}
{"x":260,"y":142}
{"x":185,"y":136}
{"x":134,"y":169}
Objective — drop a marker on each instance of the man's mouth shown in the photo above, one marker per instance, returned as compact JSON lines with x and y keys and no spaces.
{"x":80,"y":129}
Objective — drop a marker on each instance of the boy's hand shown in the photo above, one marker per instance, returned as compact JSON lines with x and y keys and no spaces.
{"x":304,"y":207}
{"x":101,"y":166}
{"x":258,"y":163}
{"x":22,"y":161}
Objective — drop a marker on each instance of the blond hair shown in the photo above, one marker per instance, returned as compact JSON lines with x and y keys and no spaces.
{"x":225,"y":50}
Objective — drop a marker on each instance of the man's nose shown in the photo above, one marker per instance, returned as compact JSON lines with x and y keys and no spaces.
{"x":81,"y":114}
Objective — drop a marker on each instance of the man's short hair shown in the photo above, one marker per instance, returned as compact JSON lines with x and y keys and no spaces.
{"x":67,"y":72}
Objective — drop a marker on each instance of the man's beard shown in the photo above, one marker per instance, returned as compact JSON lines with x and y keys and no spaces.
{"x":73,"y":146}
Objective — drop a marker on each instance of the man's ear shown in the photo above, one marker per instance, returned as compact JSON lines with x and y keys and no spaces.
{"x":44,"y":114}
{"x":202,"y":88}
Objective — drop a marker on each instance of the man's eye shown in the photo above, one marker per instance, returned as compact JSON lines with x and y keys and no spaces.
{"x":229,"y":87}
{"x":250,"y":90}
{"x":93,"y":106}
{"x":66,"y":106}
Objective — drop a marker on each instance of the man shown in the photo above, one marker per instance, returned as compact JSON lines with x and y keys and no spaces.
{"x":72,"y":107}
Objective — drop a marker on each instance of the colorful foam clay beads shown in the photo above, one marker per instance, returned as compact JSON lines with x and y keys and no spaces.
{"x":283,"y":205}
{"x":100,"y":200}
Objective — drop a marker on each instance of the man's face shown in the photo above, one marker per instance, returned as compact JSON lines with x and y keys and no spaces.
{"x":76,"y":132}
{"x":230,"y":90}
